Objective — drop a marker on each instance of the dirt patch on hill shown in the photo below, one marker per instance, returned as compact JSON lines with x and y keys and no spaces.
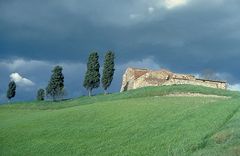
{"x":196,"y":95}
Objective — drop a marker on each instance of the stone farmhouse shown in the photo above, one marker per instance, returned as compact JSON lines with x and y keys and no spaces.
{"x":136,"y":78}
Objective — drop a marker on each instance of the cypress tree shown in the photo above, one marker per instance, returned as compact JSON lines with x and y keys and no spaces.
{"x":108,"y":70}
{"x":11,"y":92}
{"x":41,"y":95}
{"x":55,"y":87}
{"x":92,"y":76}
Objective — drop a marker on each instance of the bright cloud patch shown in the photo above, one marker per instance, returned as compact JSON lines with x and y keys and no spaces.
{"x":174,"y":3}
{"x":151,"y":10}
{"x":144,"y":63}
{"x":133,"y":16}
{"x":235,"y":87}
{"x":21,"y":81}
{"x":23,"y":65}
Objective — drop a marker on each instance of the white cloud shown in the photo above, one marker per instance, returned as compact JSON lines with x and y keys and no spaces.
{"x":151,"y":10}
{"x":234,"y":87}
{"x":21,"y":81}
{"x":39,"y":70}
{"x":197,"y":75}
{"x":133,"y":16}
{"x":144,"y":63}
{"x":21,"y":64}
{"x":26,"y":66}
{"x":170,"y":4}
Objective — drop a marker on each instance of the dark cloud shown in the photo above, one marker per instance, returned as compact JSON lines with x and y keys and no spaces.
{"x":190,"y":38}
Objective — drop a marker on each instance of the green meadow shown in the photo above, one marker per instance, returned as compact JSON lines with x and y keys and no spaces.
{"x":138,"y":122}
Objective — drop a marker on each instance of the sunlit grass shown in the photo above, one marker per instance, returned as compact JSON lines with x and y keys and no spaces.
{"x":140,"y":122}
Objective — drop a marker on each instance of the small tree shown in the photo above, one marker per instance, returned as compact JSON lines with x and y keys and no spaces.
{"x":41,"y":95}
{"x":108,"y":70}
{"x":55,"y":87}
{"x":92,"y":76}
{"x":11,"y":92}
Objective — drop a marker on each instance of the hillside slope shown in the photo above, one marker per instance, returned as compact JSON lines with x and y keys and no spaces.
{"x":139,"y":122}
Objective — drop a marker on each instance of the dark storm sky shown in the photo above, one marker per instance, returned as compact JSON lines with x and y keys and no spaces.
{"x":185,"y":36}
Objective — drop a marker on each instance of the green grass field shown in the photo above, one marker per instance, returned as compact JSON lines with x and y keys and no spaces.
{"x":139,"y":122}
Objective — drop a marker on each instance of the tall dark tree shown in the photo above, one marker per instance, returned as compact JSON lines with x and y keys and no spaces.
{"x":11,"y":92}
{"x":108,"y":70}
{"x":41,"y":95}
{"x":55,"y":87}
{"x":92,"y":76}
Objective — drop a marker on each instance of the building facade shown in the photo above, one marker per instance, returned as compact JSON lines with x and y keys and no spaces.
{"x":135,"y":78}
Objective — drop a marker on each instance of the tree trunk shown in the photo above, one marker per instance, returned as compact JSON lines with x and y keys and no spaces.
{"x":54,"y":99}
{"x":89,"y":92}
{"x":105,"y":92}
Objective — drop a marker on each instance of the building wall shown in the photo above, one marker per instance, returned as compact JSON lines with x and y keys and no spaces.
{"x":151,"y":79}
{"x":130,"y":76}
{"x":212,"y":84}
{"x":158,"y":78}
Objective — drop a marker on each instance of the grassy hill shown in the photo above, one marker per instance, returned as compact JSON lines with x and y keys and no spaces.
{"x":137,"y":122}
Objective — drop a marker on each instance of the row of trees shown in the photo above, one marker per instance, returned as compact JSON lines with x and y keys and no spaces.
{"x":55,"y":88}
{"x":92,"y":76}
